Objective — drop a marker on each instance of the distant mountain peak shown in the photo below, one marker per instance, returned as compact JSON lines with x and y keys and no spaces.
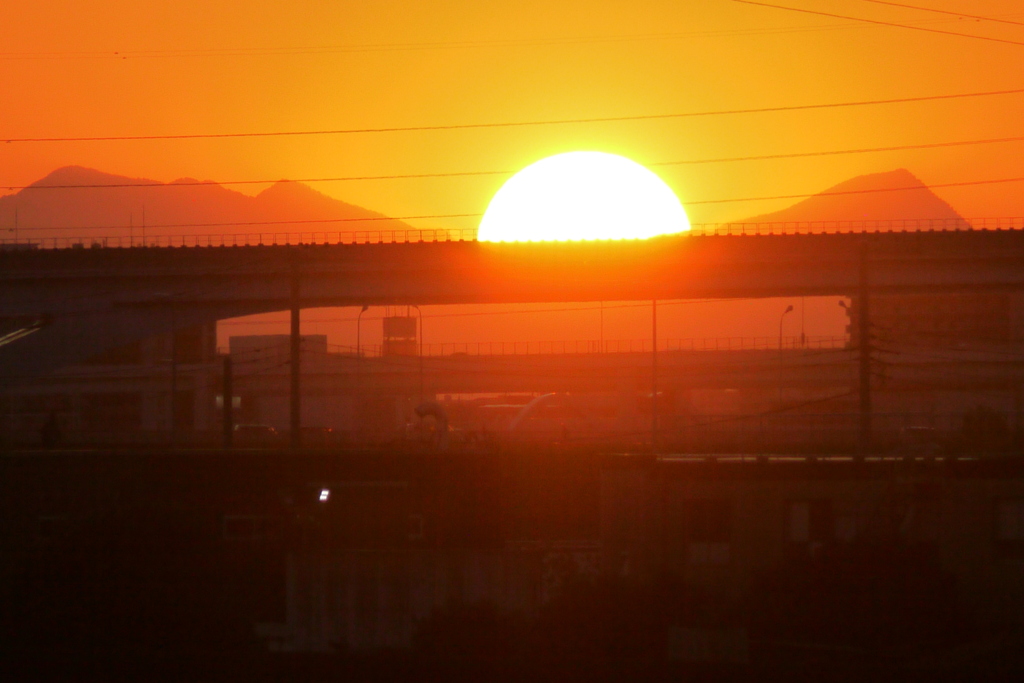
{"x":291,"y":188}
{"x":290,"y":193}
{"x":896,"y":195}
{"x":184,"y":206}
{"x":81,"y":175}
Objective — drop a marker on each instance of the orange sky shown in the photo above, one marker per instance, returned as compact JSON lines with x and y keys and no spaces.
{"x":190,"y":66}
{"x":209,"y":67}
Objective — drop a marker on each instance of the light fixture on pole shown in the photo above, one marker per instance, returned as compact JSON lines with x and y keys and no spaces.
{"x":789,"y":309}
{"x":359,"y":321}
{"x":359,"y":361}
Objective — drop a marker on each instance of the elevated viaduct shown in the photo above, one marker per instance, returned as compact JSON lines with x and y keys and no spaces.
{"x":80,"y":302}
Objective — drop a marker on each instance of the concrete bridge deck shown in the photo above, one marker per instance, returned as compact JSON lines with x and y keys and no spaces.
{"x":90,"y":300}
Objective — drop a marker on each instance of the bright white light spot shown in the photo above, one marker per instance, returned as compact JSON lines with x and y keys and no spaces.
{"x":324,"y":495}
{"x":582,"y":196}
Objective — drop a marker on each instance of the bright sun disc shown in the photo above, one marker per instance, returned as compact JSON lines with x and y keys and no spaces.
{"x":582,"y":196}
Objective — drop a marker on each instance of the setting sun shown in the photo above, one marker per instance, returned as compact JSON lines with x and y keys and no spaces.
{"x":582,"y":196}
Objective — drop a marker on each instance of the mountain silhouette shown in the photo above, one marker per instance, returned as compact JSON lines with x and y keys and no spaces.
{"x":873,"y":197}
{"x":111,"y":205}
{"x":56,"y":206}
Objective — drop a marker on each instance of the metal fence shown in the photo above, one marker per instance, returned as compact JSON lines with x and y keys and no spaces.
{"x":247,"y":239}
{"x":127,"y":238}
{"x":589,"y":346}
{"x":826,"y":432}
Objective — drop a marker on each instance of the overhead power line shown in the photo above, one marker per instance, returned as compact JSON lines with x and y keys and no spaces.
{"x":463,"y":314}
{"x":866,"y":191}
{"x":392,"y":47}
{"x":197,"y":183}
{"x":862,"y":150}
{"x":325,"y":221}
{"x":460,"y":174}
{"x":302,"y":221}
{"x":882,"y":23}
{"x":515,"y":124}
{"x":946,"y":12}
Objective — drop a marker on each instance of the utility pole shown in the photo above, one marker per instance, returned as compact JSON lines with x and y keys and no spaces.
{"x":422,"y":389}
{"x":654,"y":376}
{"x":296,"y":361}
{"x":174,"y":377}
{"x":864,"y":351}
{"x":229,"y":403}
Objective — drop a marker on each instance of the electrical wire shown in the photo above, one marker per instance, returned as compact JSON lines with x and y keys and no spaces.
{"x":301,"y":221}
{"x":463,"y":174}
{"x":606,"y":307}
{"x":389,"y":47}
{"x":515,"y":124}
{"x":324,"y":221}
{"x":881,"y":23}
{"x":946,"y":12}
{"x":838,"y":193}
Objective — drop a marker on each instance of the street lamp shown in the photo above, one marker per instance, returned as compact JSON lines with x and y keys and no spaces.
{"x":789,"y":309}
{"x":359,"y":361}
{"x":359,"y":321}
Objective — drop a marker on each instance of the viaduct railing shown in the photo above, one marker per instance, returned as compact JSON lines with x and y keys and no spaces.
{"x":596,"y":346}
{"x":29,"y":238}
{"x":576,"y":347}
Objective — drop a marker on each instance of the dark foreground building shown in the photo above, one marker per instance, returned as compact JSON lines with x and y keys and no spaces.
{"x":283,"y":566}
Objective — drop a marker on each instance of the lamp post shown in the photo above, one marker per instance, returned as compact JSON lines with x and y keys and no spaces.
{"x":174,"y":377}
{"x":359,"y":363}
{"x":359,"y":321}
{"x":789,"y":309}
